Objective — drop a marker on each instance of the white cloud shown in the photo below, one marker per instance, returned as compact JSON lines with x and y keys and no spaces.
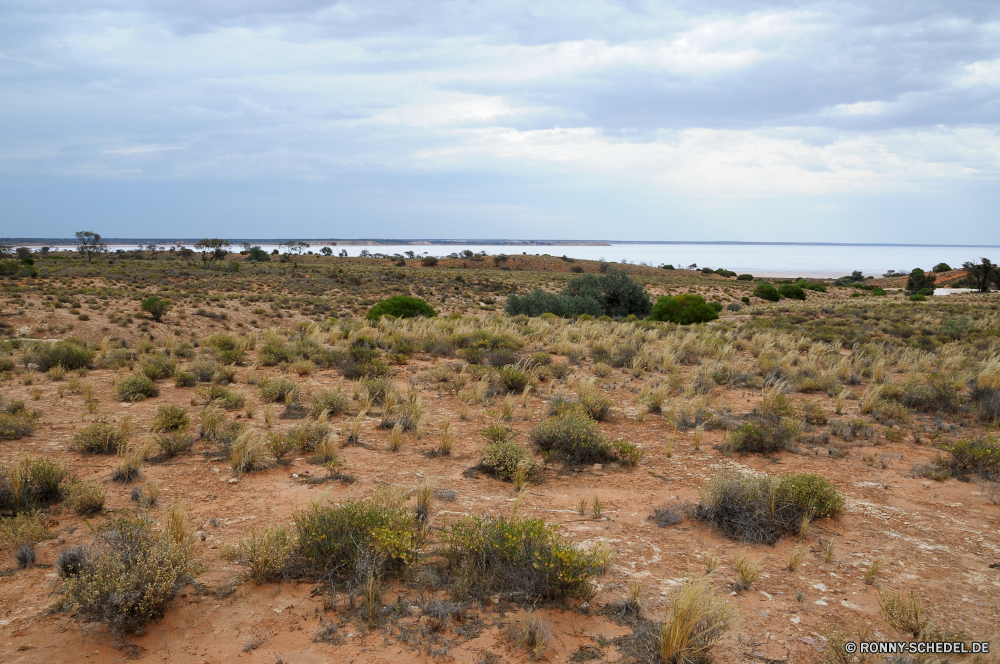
{"x":727,"y":163}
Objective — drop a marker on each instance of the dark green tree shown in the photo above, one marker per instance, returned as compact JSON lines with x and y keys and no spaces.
{"x":920,"y":281}
{"x":980,"y":275}
{"x":942,"y":267}
{"x":90,"y":245}
{"x":212,"y":249}
{"x":766,"y":291}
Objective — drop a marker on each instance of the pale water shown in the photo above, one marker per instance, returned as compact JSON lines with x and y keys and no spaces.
{"x":806,"y":260}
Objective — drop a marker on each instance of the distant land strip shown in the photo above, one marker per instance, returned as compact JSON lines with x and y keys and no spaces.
{"x":59,"y":242}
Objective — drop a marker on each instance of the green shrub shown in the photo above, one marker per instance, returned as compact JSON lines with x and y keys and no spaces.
{"x":629,"y":454}
{"x":24,"y":529}
{"x":31,"y":483}
{"x":611,"y":294}
{"x":525,"y":559}
{"x":17,"y":424}
{"x":274,"y":390}
{"x":136,"y":387}
{"x":203,"y":368}
{"x":972,"y":457}
{"x":766,"y":292}
{"x":401,"y":306}
{"x":174,"y":443}
{"x":170,"y":417}
{"x":333,"y":402}
{"x":273,"y":353}
{"x":763,"y":434}
{"x":539,"y":302}
{"x":932,"y":392}
{"x":941,"y":267}
{"x":759,"y":508}
{"x":745,"y":277}
{"x":185,"y":379}
{"x":85,"y":497}
{"x":813,"y":492}
{"x":596,"y":405}
{"x":573,"y":437}
{"x":684,"y":309}
{"x":101,"y":438}
{"x":225,"y":397}
{"x":156,"y":367}
{"x":69,"y":355}
{"x":791,"y":291}
{"x":307,"y":435}
{"x":129,"y":576}
{"x":225,"y":348}
{"x":918,"y":297}
{"x":513,"y":378}
{"x":502,"y":457}
{"x":155,"y":306}
{"x":334,"y":539}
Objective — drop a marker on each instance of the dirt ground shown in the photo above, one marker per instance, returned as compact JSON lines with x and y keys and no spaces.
{"x":936,"y":538}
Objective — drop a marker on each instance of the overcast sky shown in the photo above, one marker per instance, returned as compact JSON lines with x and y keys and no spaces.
{"x":874,"y":121}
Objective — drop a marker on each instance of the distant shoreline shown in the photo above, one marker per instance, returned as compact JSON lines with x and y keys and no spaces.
{"x":61,"y":242}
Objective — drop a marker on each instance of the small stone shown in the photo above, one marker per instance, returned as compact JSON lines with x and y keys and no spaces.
{"x":598,"y":466}
{"x":295,"y":474}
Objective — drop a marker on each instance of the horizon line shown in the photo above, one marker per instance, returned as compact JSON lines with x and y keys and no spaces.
{"x":494,"y":241}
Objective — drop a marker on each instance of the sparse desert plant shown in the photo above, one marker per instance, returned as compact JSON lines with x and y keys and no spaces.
{"x":969,"y":456}
{"x":504,"y":458}
{"x":760,"y":508}
{"x":307,"y":435}
{"x":173,"y":443}
{"x":250,"y":452}
{"x":332,"y":402}
{"x":396,"y":438}
{"x":401,"y":306}
{"x":136,"y":387}
{"x":747,"y":573}
{"x":531,"y":633}
{"x":23,"y":529}
{"x":813,"y":412}
{"x":447,"y":438}
{"x":225,"y":397}
{"x":128,"y":576}
{"x":16,"y":421}
{"x":85,"y":497}
{"x":874,"y":570}
{"x":157,"y":367}
{"x":904,"y":613}
{"x":628,"y":453}
{"x":763,"y":435}
{"x":573,"y":437}
{"x":794,"y":559}
{"x":170,"y":417}
{"x":683,"y":309}
{"x":263,"y":552}
{"x":277,"y":390}
{"x":184,"y":379}
{"x":102,"y":437}
{"x":520,"y":556}
{"x":332,"y":539}
{"x":695,"y":621}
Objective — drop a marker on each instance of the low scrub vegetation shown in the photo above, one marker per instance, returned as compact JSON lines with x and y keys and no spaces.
{"x":128,"y":575}
{"x":525,"y":559}
{"x":333,"y":539}
{"x":760,"y":508}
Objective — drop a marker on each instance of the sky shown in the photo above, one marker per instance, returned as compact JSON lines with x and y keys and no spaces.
{"x":874,"y":121}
